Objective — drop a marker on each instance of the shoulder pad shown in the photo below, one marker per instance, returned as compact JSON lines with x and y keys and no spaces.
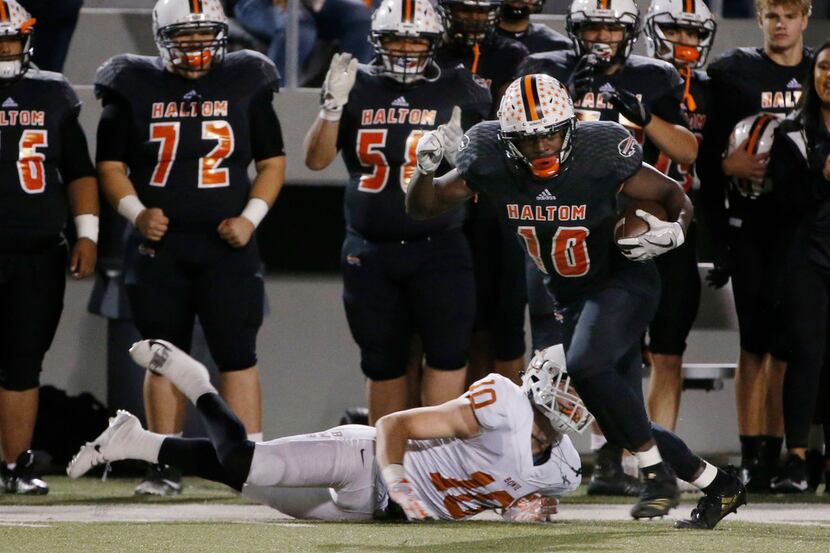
{"x":258,"y":64}
{"x":479,"y":150}
{"x":114,"y":74}
{"x":731,"y":60}
{"x":496,"y":401}
{"x":57,"y":83}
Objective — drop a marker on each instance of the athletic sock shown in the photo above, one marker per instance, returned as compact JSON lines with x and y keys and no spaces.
{"x":750,"y":449}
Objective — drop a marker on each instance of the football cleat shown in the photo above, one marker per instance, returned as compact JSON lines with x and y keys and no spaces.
{"x":609,"y":478}
{"x":21,"y":479}
{"x":659,"y":495}
{"x":162,"y":358}
{"x":160,"y":480}
{"x":711,"y":509}
{"x":111,"y":445}
{"x":793,"y":476}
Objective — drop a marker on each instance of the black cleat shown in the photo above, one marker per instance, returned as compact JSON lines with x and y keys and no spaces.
{"x":613,"y":482}
{"x":793,"y":476}
{"x":609,"y":478}
{"x":711,"y":509}
{"x":660,"y":493}
{"x":160,"y":480}
{"x":21,"y":479}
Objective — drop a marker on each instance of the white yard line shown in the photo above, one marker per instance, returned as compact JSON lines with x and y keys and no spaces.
{"x":811,"y":514}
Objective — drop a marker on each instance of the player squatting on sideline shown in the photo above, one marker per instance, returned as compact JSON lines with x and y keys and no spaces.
{"x":499,"y":446}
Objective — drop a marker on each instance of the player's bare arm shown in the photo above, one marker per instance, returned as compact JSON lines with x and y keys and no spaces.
{"x":83,"y":202}
{"x":676,"y":141}
{"x":237,"y":231}
{"x":119,"y":190}
{"x":428,"y":196}
{"x":320,"y":143}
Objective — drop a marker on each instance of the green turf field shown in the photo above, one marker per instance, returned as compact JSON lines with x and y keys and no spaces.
{"x":42,"y":534}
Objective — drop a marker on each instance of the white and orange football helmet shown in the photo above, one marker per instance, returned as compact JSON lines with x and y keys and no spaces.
{"x":583,"y":13}
{"x":175,"y":19}
{"x":548,"y":386}
{"x":533,"y":106}
{"x":414,"y":19}
{"x":688,"y":14}
{"x":17,"y":23}
{"x":758,"y":131}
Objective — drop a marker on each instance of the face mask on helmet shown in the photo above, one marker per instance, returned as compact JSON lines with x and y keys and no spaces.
{"x":403,"y":58}
{"x":683,"y":39}
{"x":518,"y":10}
{"x":536,"y":125}
{"x":612,"y":30}
{"x":16,"y":40}
{"x":549,"y":388}
{"x":470,"y":22}
{"x":193,"y":47}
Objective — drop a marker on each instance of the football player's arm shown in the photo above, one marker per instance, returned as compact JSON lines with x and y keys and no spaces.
{"x":650,"y":184}
{"x":676,"y":141}
{"x":453,"y":419}
{"x":268,"y":151}
{"x":320,"y":143}
{"x":111,"y":157}
{"x":76,"y":168}
{"x":428,"y":196}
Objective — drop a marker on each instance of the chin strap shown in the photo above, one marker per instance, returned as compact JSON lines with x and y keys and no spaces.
{"x":476,"y":56}
{"x":688,"y":99}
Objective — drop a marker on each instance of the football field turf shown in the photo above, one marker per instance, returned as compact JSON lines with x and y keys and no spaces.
{"x":89,"y":516}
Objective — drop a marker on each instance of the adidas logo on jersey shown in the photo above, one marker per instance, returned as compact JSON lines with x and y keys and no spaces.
{"x":9,"y":103}
{"x":607,"y":87}
{"x":192,"y":95}
{"x":400,"y":101}
{"x":545,"y":195}
{"x":794,"y":83}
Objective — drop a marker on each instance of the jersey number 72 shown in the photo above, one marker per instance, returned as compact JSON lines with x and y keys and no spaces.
{"x":210,"y":174}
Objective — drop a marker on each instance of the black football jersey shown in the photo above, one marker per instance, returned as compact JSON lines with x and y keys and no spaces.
{"x":655,"y":82}
{"x":497,"y":61}
{"x":745,"y":81}
{"x":33,"y":198}
{"x":379,"y":131}
{"x":695,"y":120}
{"x":539,"y":38}
{"x":190,"y":140}
{"x":566,"y":223}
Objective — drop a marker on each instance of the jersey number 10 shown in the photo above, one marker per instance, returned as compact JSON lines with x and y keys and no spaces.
{"x":569,"y":250}
{"x":210,"y":175}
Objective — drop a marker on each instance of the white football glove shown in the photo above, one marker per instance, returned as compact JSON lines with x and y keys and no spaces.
{"x":531,"y":508}
{"x":403,"y":493}
{"x":661,"y":237}
{"x":443,"y":141}
{"x":337,"y":85}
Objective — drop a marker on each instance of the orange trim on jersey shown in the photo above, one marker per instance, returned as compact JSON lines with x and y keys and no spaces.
{"x":4,"y":12}
{"x":757,"y":130}
{"x":196,"y":6}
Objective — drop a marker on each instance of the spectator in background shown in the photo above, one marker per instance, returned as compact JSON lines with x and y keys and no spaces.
{"x":346,"y":21}
{"x":56,"y":21}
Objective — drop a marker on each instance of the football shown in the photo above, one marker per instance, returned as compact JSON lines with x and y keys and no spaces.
{"x":631,"y":226}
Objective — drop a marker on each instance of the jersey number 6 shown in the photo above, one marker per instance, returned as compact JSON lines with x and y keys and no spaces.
{"x":210,"y":174}
{"x":30,"y":162}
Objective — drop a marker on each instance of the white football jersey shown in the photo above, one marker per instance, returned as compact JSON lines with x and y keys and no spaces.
{"x":461,"y":477}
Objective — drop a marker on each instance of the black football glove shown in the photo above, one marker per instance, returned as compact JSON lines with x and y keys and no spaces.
{"x":718,"y":275}
{"x":582,"y":78}
{"x":630,"y":107}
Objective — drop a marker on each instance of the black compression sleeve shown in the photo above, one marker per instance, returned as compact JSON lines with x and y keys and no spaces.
{"x":266,"y":133}
{"x":75,"y":160}
{"x":114,"y":133}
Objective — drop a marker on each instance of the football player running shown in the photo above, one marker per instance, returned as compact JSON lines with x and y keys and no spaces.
{"x":498,"y":446}
{"x":536,"y":37}
{"x":176,"y":137}
{"x":604,"y":299}
{"x":46,"y":173}
{"x":401,"y":277}
{"x":643,"y":94}
{"x":746,"y":81}
{"x":680,"y":32}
